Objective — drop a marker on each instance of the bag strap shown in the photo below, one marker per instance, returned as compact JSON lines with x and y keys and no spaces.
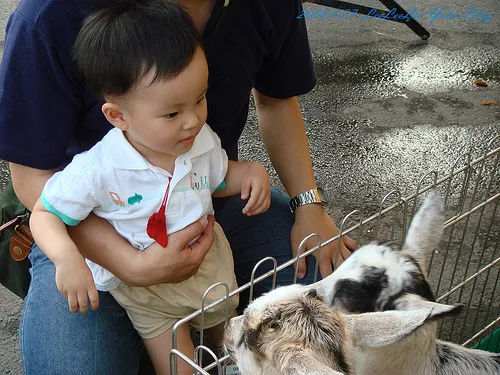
{"x":13,"y":222}
{"x":223,"y":25}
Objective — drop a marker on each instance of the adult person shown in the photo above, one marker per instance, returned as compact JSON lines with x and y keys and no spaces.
{"x":47,"y":115}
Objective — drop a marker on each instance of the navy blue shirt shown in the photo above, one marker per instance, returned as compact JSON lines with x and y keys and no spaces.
{"x":47,"y":114}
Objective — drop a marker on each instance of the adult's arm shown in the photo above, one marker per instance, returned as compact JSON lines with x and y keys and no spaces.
{"x":289,"y":72}
{"x":284,"y":136}
{"x":99,"y":242}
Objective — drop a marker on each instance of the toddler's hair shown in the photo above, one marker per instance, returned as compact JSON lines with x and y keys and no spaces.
{"x":117,"y":46}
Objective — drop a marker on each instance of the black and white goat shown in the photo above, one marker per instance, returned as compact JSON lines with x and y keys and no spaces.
{"x":382,"y":277}
{"x":292,"y":331}
{"x":312,"y":329}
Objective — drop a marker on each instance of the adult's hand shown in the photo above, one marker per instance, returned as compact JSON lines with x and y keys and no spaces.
{"x":179,"y":260}
{"x":312,"y":218}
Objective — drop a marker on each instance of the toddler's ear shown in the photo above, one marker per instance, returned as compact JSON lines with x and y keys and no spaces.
{"x":114,"y":114}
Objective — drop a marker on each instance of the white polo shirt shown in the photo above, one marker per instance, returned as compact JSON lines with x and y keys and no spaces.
{"x":117,"y":183}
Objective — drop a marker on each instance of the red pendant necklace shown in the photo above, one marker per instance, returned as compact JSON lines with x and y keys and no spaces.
{"x":157,"y":223}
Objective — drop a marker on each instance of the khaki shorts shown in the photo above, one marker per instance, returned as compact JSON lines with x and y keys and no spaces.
{"x":154,"y":310}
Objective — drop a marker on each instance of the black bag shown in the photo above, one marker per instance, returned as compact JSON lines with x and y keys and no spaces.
{"x":15,"y":243}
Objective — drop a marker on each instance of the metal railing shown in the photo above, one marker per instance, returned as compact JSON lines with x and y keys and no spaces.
{"x":464,"y":269}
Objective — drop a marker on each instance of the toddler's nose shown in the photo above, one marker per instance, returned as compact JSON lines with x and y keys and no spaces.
{"x":191,"y":122}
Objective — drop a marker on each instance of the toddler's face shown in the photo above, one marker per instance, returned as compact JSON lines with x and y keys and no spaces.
{"x":164,"y":117}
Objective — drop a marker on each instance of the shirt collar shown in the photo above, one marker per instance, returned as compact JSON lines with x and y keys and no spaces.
{"x":203,"y":142}
{"x":124,"y":156}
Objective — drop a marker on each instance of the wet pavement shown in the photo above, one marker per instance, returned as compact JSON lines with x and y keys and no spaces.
{"x":388,"y":108}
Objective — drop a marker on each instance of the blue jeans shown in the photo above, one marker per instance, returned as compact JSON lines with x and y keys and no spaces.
{"x":56,"y":342}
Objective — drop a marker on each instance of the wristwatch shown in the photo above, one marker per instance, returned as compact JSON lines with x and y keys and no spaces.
{"x":315,"y":195}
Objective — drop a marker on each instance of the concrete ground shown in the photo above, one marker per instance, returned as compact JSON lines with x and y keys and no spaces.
{"x":387,"y":109}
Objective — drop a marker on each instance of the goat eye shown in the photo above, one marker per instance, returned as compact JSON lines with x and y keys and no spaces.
{"x":277,"y":315}
{"x":274,"y":325}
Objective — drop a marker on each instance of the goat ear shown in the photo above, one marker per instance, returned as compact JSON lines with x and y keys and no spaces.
{"x":426,"y":230}
{"x":384,"y":328}
{"x":438,"y":310}
{"x":306,"y":364}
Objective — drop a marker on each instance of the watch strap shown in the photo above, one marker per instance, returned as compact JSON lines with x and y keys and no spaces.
{"x":307,"y":197}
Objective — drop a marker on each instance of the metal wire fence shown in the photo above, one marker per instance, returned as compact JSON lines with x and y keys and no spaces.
{"x":464,"y":269}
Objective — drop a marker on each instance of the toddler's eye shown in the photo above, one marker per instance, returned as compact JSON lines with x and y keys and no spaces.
{"x":201,"y":100}
{"x":172,"y":115}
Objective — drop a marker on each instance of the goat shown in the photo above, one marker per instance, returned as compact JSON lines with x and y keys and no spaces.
{"x":380,"y":277}
{"x":375,"y":276}
{"x":292,"y":331}
{"x":305,"y":329}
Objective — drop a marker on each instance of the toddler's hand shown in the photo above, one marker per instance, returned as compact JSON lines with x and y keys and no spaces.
{"x":256,"y":186}
{"x":75,"y":282}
